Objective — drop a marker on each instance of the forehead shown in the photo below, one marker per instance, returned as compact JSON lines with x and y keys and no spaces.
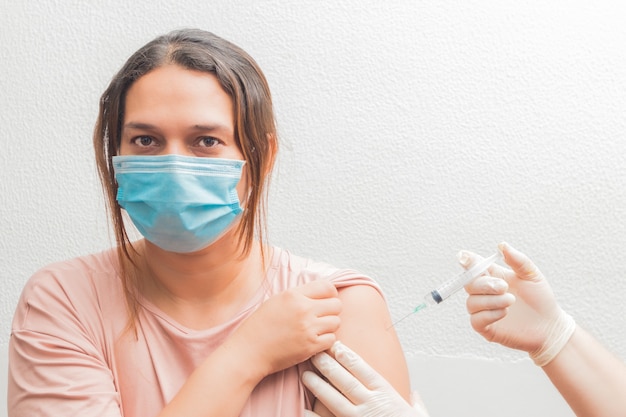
{"x":172,"y":92}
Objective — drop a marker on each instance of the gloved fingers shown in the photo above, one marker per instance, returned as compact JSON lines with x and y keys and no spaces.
{"x":487,"y":309}
{"x":341,"y":377}
{"x":358,"y":367}
{"x":481,"y":302}
{"x":483,"y":320}
{"x":467,"y":259}
{"x":327,"y":394}
{"x":523,"y":267}
{"x":487,"y":285}
{"x":418,"y":404}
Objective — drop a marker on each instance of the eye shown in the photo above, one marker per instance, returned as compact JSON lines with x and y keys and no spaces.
{"x":143,"y":141}
{"x":208,"y":142}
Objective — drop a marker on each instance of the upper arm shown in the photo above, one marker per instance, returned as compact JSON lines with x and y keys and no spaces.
{"x":49,"y":376}
{"x":56,"y":367}
{"x":365,"y":328}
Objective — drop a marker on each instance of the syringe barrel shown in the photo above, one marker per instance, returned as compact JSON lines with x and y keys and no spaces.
{"x":448,"y":288}
{"x":432,"y":298}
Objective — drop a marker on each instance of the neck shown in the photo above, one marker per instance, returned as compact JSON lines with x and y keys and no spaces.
{"x":203,"y":288}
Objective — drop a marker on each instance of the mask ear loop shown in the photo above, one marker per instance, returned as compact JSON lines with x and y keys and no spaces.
{"x":244,"y":204}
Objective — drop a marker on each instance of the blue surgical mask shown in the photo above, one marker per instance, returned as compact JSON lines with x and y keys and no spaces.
{"x":180,"y":203}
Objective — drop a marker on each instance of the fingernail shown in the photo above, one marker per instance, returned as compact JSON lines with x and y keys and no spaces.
{"x":306,"y":376}
{"x":310,"y":379}
{"x":464,"y":258}
{"x":502,"y":246}
{"x":342,"y":353}
{"x":498,"y":285}
{"x":323,"y":362}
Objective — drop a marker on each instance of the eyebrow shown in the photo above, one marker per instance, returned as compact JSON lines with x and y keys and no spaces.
{"x":199,"y":127}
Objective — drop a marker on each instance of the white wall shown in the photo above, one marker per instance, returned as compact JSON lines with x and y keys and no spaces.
{"x":410,"y":130}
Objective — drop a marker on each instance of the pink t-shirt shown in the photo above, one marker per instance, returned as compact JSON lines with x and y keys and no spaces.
{"x":69,"y":353}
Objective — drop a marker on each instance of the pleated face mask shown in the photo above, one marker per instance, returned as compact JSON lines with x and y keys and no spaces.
{"x":180,"y":203}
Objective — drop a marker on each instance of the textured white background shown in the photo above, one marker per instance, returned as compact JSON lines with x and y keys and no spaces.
{"x":410,"y":130}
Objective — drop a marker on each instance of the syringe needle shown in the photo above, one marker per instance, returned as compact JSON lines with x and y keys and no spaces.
{"x":399,"y":320}
{"x":415,"y":310}
{"x":450,"y":287}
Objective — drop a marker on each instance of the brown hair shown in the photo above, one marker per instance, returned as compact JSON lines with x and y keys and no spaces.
{"x":254,"y":126}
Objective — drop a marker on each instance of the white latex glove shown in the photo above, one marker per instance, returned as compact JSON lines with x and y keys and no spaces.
{"x":527,"y":317}
{"x":360,"y":391}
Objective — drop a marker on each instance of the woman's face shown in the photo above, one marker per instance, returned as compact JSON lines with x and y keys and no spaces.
{"x":173,"y":110}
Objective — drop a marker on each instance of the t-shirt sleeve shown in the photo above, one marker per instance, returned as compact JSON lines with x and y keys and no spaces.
{"x":348,"y":278}
{"x":339,"y":277}
{"x":56,"y":367}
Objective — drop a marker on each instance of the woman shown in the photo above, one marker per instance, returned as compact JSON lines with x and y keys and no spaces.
{"x":201,"y":317}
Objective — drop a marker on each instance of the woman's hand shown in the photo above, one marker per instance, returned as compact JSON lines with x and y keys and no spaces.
{"x":516,"y":307}
{"x":290,"y":327}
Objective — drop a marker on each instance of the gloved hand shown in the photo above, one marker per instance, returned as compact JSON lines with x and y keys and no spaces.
{"x":527,"y":317}
{"x":360,"y":390}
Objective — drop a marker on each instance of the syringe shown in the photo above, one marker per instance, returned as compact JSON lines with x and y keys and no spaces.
{"x":448,"y":288}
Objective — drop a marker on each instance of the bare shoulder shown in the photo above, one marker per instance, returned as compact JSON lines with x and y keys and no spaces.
{"x":365,"y":328}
